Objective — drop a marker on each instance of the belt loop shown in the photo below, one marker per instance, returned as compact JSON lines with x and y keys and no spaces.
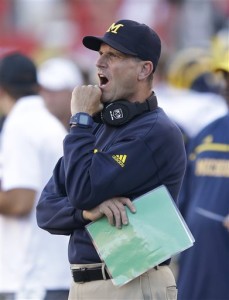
{"x":103,"y":271}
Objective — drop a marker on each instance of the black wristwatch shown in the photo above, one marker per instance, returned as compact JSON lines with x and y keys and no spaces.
{"x":81,"y":120}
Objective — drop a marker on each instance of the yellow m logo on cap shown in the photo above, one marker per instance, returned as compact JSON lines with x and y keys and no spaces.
{"x":114,"y":28}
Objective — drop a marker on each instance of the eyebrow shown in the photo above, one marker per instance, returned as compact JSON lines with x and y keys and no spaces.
{"x":111,"y":51}
{"x":119,"y":53}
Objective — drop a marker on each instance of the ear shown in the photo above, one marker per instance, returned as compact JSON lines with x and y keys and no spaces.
{"x":146,"y":68}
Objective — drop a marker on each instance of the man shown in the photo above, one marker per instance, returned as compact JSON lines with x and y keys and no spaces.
{"x":204,"y":205}
{"x":57,"y":77}
{"x":33,"y":265}
{"x":105,"y":166}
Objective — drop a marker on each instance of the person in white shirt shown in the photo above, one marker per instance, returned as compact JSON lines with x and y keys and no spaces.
{"x":57,"y":77}
{"x":33,"y":262}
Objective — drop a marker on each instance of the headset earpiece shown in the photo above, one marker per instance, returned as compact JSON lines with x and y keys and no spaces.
{"x":121,"y":112}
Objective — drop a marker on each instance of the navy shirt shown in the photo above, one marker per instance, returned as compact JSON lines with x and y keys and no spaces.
{"x":104,"y":162}
{"x":204,"y":268}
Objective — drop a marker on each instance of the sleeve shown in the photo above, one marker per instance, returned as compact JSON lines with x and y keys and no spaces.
{"x":183,"y":199}
{"x":54,"y":212}
{"x":186,"y":188}
{"x":92,"y":178}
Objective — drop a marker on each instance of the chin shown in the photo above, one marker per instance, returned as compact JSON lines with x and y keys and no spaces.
{"x":105,"y":99}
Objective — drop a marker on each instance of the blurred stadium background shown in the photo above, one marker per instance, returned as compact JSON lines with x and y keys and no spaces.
{"x":46,"y":28}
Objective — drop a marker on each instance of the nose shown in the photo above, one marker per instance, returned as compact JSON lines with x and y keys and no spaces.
{"x":101,"y":62}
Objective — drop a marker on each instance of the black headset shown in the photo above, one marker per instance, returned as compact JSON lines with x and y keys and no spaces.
{"x":121,"y":111}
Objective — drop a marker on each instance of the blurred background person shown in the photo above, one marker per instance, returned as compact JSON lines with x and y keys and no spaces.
{"x":33,"y":263}
{"x":188,"y":90}
{"x":57,"y":77}
{"x":203,"y":270}
{"x":2,"y":119}
{"x":47,"y":27}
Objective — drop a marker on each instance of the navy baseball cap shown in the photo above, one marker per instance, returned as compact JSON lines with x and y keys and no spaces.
{"x":129,"y":37}
{"x":17,"y":70}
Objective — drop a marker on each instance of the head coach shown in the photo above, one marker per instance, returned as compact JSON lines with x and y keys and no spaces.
{"x":120,"y":146}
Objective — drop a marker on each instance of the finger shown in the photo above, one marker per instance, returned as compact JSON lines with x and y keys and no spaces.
{"x":108,"y":213}
{"x":128,"y":203}
{"x":226,"y":222}
{"x":122,"y":211}
{"x":113,"y":205}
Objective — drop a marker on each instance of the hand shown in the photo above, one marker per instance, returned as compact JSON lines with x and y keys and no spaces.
{"x":86,"y":99}
{"x":114,"y":209}
{"x":226,"y":222}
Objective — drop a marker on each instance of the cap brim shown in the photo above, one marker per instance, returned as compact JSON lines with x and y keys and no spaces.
{"x":94,"y":43}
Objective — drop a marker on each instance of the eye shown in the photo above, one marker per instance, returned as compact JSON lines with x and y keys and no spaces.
{"x":113,"y":55}
{"x":110,"y":56}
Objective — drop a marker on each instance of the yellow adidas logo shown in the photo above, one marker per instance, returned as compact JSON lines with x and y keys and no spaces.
{"x":120,"y":159}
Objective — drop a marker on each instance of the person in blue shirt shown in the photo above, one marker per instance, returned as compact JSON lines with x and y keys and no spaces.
{"x":120,"y":146}
{"x":204,"y":268}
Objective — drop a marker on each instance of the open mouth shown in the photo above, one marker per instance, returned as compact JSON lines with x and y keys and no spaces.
{"x":103,"y":80}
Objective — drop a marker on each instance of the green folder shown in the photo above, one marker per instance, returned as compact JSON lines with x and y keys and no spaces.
{"x":156,"y":232}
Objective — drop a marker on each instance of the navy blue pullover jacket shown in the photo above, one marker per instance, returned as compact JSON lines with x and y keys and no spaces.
{"x":104,"y":162}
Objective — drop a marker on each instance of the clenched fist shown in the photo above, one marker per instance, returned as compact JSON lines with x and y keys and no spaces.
{"x":86,"y":99}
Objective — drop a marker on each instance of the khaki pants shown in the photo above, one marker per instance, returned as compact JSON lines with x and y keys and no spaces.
{"x":153,"y":285}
